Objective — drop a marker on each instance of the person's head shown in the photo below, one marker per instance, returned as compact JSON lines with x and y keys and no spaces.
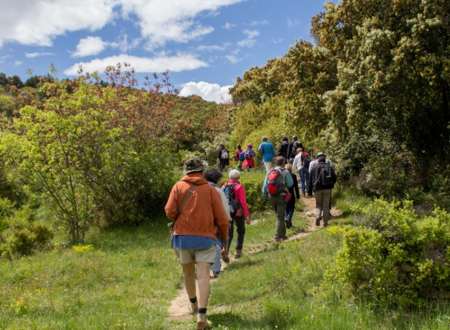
{"x":222,"y":145}
{"x":285,"y":139}
{"x":234,"y":175}
{"x":299,"y":150}
{"x":250,"y":145}
{"x":294,"y":138}
{"x":239,"y":146}
{"x":213,"y":175}
{"x":321,"y":157}
{"x":314,"y":156}
{"x":289,"y":168}
{"x":280,"y":161}
{"x":194,"y":165}
{"x":264,"y":139}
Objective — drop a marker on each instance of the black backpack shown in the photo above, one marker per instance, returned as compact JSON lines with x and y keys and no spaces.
{"x":231,"y":196}
{"x":305,"y":160}
{"x":327,"y":176}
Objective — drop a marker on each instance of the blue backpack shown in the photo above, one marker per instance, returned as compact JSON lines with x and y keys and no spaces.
{"x":242,"y":156}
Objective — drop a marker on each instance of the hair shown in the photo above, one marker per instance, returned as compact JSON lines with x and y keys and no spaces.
{"x":234,"y":175}
{"x":298,"y":150}
{"x":279,"y":161}
{"x":321,"y":159}
{"x":294,"y":138}
{"x":314,"y":156}
{"x":239,"y":146}
{"x":222,"y":145}
{"x":289,"y":168}
{"x":264,"y":139}
{"x":213,"y":175}
{"x":285,"y":139}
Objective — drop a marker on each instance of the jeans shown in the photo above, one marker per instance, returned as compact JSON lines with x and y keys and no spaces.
{"x":215,"y":267}
{"x":289,"y":214}
{"x":304,"y":178}
{"x":268,"y":166}
{"x":279,"y":205}
{"x":240,"y":224}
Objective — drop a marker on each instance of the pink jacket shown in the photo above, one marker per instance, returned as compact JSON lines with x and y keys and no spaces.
{"x":240,"y":195}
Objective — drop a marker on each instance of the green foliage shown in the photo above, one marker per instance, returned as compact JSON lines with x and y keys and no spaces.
{"x":21,"y":233}
{"x":396,"y":258}
{"x":253,"y":182}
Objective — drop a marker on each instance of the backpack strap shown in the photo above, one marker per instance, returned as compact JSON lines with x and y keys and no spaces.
{"x":189,"y":193}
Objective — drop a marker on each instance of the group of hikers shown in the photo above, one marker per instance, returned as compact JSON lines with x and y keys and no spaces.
{"x":204,"y":213}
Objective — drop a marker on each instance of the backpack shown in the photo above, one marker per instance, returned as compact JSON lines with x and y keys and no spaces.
{"x":276,"y":183}
{"x":241,"y":156}
{"x":224,"y":154}
{"x":295,"y":146}
{"x":326,"y":177}
{"x":231,"y":196}
{"x":247,"y":154}
{"x":305,"y":160}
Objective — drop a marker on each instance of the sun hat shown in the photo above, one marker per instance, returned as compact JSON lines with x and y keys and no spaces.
{"x":250,"y":145}
{"x":195,"y":165}
{"x":321,"y":154}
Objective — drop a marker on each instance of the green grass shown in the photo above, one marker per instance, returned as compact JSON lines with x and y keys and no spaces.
{"x":130,"y":276}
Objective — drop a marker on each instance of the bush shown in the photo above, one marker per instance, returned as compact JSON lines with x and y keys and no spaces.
{"x":23,"y":234}
{"x":253,"y":183}
{"x":396,"y":258}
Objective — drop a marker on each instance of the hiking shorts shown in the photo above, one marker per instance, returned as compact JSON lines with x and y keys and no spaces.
{"x":186,"y":256}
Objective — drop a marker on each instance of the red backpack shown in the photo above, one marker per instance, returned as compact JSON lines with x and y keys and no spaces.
{"x":276,"y":182}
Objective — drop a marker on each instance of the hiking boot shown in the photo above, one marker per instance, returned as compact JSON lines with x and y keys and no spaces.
{"x":202,"y":322}
{"x":238,"y":254}
{"x":194,"y":308}
{"x":325,"y":223}
{"x":318,"y":222}
{"x":226,"y":257}
{"x":216,"y":274}
{"x":288,"y":224}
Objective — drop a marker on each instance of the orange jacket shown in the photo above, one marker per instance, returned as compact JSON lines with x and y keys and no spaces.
{"x":202,"y":212}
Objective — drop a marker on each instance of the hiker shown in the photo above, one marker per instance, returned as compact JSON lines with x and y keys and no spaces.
{"x":237,"y":157}
{"x":301,"y":164}
{"x":213,"y":177}
{"x":223,"y":158}
{"x":275,"y":190}
{"x":321,"y":182}
{"x":268,"y":152}
{"x":292,"y":148}
{"x":315,"y":161}
{"x":290,"y":207}
{"x":248,"y":155}
{"x":236,"y":195}
{"x":283,"y":148}
{"x":197,"y":210}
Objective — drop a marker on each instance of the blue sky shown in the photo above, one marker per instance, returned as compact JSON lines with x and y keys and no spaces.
{"x":206,"y":44}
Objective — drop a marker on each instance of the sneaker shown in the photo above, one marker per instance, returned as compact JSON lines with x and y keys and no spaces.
{"x":225,"y":257}
{"x":202,"y":322}
{"x":194,"y":308}
{"x":216,"y":274}
{"x":288,"y":224}
{"x":318,"y":222}
{"x":238,"y":254}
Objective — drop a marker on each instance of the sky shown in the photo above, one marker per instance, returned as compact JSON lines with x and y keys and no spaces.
{"x":206,"y":44}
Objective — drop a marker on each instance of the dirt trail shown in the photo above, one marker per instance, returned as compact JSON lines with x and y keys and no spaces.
{"x":180,"y":306}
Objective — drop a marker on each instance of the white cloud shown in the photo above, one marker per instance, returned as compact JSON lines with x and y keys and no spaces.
{"x":209,"y":92}
{"x":256,"y":23}
{"x":89,"y":46}
{"x":277,"y":41}
{"x":123,"y":44}
{"x":38,"y":22}
{"x":291,"y":23}
{"x":36,"y":54}
{"x":229,"y":26}
{"x":251,"y":33}
{"x":181,"y":62}
{"x":18,"y":63}
{"x":210,"y":48}
{"x":233,"y":59}
{"x":247,"y":43}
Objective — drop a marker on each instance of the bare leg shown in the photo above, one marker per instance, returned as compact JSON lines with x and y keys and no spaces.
{"x":203,"y":273}
{"x":189,"y":278}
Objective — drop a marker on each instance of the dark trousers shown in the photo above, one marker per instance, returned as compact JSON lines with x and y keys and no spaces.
{"x":279,"y":206}
{"x":240,"y":225}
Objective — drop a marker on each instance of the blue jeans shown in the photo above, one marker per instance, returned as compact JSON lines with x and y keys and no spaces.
{"x":289,"y":214}
{"x":215,"y":267}
{"x":304,"y":178}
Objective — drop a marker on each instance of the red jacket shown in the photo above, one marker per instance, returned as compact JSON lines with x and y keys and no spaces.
{"x":202,"y":212}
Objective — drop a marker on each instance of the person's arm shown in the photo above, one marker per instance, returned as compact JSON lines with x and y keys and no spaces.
{"x":296,"y":191}
{"x":289,"y":180}
{"x":220,"y":217}
{"x":312,"y":178}
{"x":240,"y":194}
{"x":252,"y":153}
{"x":264,"y":188}
{"x":226,"y":206}
{"x":171,"y":207}
{"x":289,"y":151}
{"x":294,"y":165}
{"x":260,"y":148}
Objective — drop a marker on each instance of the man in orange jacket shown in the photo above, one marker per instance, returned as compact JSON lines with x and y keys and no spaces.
{"x":195,"y":232}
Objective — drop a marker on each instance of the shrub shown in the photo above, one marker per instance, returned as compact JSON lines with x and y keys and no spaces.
{"x":23,"y":234}
{"x":396,"y":257}
{"x":253,"y":182}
